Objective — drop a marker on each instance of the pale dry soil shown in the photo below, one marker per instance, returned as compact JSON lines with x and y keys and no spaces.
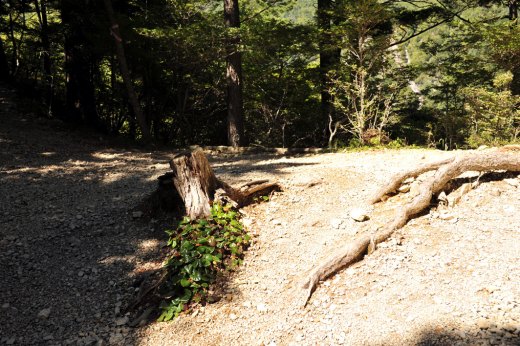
{"x":71,"y":251}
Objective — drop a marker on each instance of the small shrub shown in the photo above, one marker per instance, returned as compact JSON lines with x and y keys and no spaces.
{"x":397,"y":144}
{"x":200,"y":250}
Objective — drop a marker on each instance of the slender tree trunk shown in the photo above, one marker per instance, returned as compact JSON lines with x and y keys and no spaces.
{"x":513,"y":9}
{"x":72,"y":96}
{"x":234,"y":76}
{"x":125,"y":73}
{"x":329,"y":59}
{"x":14,"y":43}
{"x":513,"y":15}
{"x":4,"y":66}
{"x":41,"y":10}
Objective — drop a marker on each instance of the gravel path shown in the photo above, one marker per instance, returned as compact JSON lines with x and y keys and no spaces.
{"x":70,"y":250}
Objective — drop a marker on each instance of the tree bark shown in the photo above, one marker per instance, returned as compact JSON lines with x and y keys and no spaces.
{"x":506,"y":158}
{"x":235,"y":118}
{"x":195,"y":182}
{"x":79,"y":66}
{"x":515,"y":83}
{"x":125,"y":73}
{"x":41,"y":11}
{"x":4,"y":65}
{"x":14,"y":43}
{"x":513,"y":9}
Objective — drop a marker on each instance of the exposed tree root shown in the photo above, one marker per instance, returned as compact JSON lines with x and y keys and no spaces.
{"x":489,"y":160}
{"x":398,"y":179}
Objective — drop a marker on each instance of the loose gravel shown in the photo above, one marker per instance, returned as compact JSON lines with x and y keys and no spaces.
{"x":72,"y":248}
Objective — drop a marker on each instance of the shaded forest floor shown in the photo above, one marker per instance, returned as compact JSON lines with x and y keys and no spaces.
{"x":71,"y":252}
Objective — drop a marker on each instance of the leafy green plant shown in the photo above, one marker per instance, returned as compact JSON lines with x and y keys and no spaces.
{"x":261,"y":199}
{"x":200,"y":250}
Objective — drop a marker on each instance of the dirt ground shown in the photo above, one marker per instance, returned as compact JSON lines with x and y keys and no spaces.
{"x":71,"y":251}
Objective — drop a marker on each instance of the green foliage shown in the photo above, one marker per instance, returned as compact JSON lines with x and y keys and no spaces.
{"x":494,"y":112}
{"x":200,"y":250}
{"x":370,"y":78}
{"x":177,"y":60}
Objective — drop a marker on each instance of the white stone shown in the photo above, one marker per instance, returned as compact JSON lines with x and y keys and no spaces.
{"x":336,"y":223}
{"x":359,"y":214}
{"x":261,"y":307}
{"x":44,"y":314}
{"x":404,"y":188}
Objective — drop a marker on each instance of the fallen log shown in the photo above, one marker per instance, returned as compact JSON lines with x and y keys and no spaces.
{"x":505,"y":158}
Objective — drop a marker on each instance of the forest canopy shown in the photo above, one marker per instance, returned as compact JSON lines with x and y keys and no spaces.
{"x":289,"y":73}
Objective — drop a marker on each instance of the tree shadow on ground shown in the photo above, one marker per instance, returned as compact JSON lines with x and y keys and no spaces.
{"x":69,"y":241}
{"x":499,"y":335}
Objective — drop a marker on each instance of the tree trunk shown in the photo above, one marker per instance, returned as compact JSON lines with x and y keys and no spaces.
{"x":125,"y":73}
{"x":4,"y":66}
{"x":235,"y":117}
{"x":505,"y":158}
{"x":329,"y":59}
{"x":515,"y":83}
{"x":79,"y":67}
{"x":41,"y":11}
{"x":14,"y":43}
{"x":513,"y":9}
{"x":195,"y":182}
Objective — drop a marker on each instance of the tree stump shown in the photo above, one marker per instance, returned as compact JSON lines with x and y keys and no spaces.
{"x":197,"y":187}
{"x":195,"y":182}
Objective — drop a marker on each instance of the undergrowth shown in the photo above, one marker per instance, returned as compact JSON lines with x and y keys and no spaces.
{"x":200,"y":250}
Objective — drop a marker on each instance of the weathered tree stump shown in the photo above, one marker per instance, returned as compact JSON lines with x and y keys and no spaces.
{"x":197,"y":187}
{"x":195,"y":182}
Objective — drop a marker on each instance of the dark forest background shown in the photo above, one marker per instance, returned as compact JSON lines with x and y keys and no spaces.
{"x":291,"y":73}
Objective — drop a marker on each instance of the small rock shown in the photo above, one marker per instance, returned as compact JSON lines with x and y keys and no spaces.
{"x":44,"y":314}
{"x":359,"y":214}
{"x":233,"y":317}
{"x":442,"y":197}
{"x":336,"y":223}
{"x":404,"y":188}
{"x":137,"y":214}
{"x":121,"y":321}
{"x":444,"y":215}
{"x":261,"y":307}
{"x":409,"y":180}
{"x":496,"y":192}
{"x":10,"y":341}
{"x":461,"y":334}
{"x":483,"y":323}
{"x":5,"y":305}
{"x":116,"y":338}
{"x":277,"y":222}
{"x":512,"y":182}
